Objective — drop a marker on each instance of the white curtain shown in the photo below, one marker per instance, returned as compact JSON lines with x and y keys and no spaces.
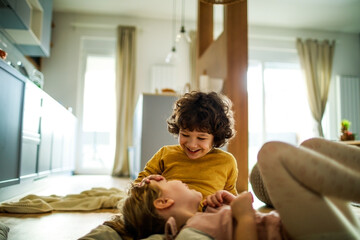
{"x":316,"y":61}
{"x":125,"y":94}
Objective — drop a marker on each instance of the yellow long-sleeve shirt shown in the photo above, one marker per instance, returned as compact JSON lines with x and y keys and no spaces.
{"x":217,"y":170}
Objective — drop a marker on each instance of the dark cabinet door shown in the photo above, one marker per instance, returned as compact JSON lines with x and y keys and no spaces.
{"x":11,"y":112}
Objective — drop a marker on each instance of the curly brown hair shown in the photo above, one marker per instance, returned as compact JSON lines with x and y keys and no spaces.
{"x":139,"y":217}
{"x":205,"y":112}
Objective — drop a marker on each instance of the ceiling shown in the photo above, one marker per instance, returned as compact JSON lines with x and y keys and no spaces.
{"x":327,"y":15}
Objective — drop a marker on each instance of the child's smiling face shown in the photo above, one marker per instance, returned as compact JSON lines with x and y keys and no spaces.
{"x":195,"y":144}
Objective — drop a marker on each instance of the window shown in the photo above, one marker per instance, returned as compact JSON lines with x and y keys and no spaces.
{"x":97,"y":136}
{"x":278,"y":106}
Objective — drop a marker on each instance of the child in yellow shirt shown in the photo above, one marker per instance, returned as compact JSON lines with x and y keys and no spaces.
{"x":203,"y":122}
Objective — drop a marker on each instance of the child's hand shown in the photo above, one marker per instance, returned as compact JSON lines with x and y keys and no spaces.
{"x":241,"y":206}
{"x":244,"y":215}
{"x":151,"y":177}
{"x":219,"y":198}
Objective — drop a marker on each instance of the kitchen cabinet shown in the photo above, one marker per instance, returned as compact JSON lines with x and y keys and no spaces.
{"x":58,"y":129}
{"x":15,"y":14}
{"x":28,"y":23}
{"x":64,"y":136}
{"x":150,"y":129}
{"x":46,"y":131}
{"x":52,"y":130}
{"x":42,"y":46}
{"x":30,"y":132}
{"x":12,"y":87}
{"x":37,"y":134}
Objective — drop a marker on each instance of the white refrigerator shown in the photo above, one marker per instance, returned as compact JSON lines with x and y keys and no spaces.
{"x":150,"y":129}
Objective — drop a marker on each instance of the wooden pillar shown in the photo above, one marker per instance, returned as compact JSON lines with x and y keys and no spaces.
{"x":205,"y":27}
{"x":227,"y":57}
{"x":235,"y":26}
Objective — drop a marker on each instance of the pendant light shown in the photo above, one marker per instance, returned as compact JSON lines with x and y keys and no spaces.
{"x":183,"y":34}
{"x":172,"y":56}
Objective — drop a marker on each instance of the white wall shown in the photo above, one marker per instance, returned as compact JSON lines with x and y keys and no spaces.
{"x":61,"y":70}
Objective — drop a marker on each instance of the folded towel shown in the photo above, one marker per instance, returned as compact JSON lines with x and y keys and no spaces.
{"x":96,"y":198}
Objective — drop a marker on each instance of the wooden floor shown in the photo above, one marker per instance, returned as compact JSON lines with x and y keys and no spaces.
{"x":61,"y":225}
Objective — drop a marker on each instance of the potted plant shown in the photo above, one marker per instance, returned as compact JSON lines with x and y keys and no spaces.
{"x":346,"y":134}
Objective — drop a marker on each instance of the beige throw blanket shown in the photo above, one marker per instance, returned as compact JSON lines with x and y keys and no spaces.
{"x":96,"y":198}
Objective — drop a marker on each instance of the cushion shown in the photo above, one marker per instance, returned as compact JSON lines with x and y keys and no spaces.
{"x":258,"y":186}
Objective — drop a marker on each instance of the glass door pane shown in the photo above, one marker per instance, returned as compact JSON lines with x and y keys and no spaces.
{"x":98,"y":122}
{"x":287,"y":110}
{"x":278,"y":106}
{"x":255,"y":110}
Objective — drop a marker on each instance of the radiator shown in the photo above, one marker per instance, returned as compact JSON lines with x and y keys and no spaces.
{"x":348,"y":101}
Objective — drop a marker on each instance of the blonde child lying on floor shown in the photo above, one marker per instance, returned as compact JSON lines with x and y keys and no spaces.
{"x":309,"y":186}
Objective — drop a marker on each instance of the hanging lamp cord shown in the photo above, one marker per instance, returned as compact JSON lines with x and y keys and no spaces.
{"x":183,"y":17}
{"x":174,"y":26}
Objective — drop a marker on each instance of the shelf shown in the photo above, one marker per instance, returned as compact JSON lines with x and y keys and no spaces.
{"x":32,"y":35}
{"x":28,"y":25}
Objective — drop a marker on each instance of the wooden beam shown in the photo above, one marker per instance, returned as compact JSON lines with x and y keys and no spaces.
{"x":205,"y":27}
{"x":235,"y":27}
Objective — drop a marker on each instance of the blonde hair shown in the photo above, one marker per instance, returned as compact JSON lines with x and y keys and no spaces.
{"x":139,"y":218}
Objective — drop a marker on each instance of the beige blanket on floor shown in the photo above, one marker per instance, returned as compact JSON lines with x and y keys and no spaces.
{"x":96,"y":198}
